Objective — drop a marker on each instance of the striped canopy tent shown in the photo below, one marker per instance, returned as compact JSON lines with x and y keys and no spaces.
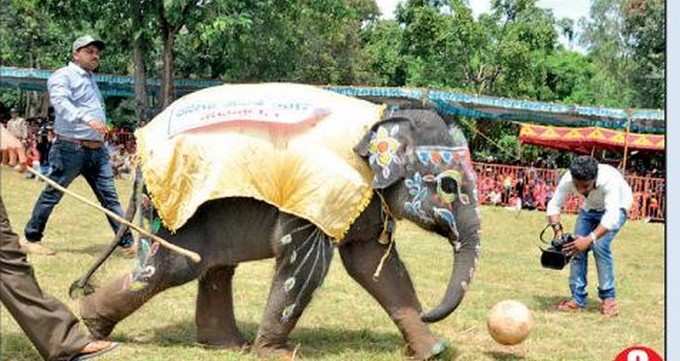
{"x":585,"y":140}
{"x":446,"y":102}
{"x":109,"y":85}
{"x":516,"y":110}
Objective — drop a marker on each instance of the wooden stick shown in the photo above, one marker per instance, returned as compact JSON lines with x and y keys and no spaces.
{"x":185,"y":252}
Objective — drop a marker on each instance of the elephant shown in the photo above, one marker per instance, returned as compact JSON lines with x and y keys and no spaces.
{"x":422,"y":173}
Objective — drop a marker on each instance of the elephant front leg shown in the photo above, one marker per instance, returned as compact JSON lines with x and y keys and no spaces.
{"x":301,"y":266}
{"x":215,"y":322}
{"x":394,"y":291}
{"x":110,"y":304}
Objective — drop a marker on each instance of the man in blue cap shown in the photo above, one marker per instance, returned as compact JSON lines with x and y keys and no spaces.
{"x":80,"y":127}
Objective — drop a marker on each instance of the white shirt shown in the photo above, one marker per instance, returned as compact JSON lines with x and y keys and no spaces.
{"x":18,"y":128}
{"x":611,"y":194}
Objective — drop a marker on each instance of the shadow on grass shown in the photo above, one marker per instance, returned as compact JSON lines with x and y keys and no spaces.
{"x":549,"y":303}
{"x":503,"y":356}
{"x":314,"y":342}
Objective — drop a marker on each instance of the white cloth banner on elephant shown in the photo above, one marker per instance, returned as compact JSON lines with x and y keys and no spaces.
{"x":289,"y":145}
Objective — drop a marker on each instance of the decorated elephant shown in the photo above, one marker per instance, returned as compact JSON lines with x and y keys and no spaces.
{"x":420,"y":170}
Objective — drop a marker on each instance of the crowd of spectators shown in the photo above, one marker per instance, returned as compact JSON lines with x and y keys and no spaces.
{"x":37,"y":135}
{"x":514,"y":187}
{"x":530,"y":187}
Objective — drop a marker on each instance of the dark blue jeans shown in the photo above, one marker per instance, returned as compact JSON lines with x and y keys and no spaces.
{"x":69,"y":160}
{"x":586,"y":222}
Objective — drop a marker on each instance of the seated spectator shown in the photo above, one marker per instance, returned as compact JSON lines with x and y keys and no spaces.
{"x":515,"y":203}
{"x":528,"y":200}
{"x":508,"y":183}
{"x":495,"y":197}
{"x":44,"y":143}
{"x":635,"y":209}
{"x":653,"y":207}
{"x":33,"y":157}
{"x":540,"y":195}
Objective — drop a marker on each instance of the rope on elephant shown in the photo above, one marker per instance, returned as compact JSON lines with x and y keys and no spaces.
{"x":382,"y":260}
{"x":385,"y":232}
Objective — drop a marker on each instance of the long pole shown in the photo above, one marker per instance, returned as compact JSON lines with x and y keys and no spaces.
{"x":625,"y":141}
{"x":185,"y":252}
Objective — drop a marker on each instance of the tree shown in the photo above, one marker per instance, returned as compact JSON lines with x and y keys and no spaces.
{"x":383,"y":64}
{"x":29,"y":38}
{"x":172,"y":16}
{"x":644,"y":25}
{"x":502,"y":53}
{"x":607,"y":46}
{"x":568,"y":79}
{"x":625,"y":39}
{"x":310,"y":41}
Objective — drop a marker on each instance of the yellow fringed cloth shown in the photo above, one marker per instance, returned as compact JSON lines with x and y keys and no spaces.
{"x":289,"y":145}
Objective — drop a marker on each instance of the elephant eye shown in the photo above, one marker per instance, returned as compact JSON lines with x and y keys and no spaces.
{"x":448,"y":185}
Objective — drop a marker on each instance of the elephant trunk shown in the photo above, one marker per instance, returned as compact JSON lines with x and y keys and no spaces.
{"x":464,"y":264}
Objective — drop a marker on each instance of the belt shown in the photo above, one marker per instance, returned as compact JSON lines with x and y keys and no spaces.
{"x":89,"y":144}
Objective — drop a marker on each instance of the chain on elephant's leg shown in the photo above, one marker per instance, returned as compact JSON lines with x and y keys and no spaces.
{"x":301,"y":268}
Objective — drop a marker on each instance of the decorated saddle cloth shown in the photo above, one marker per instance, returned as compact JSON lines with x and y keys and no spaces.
{"x":289,"y":145}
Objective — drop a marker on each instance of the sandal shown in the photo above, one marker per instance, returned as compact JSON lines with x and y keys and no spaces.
{"x":568,"y":306}
{"x":609,"y":308}
{"x":94,"y":349}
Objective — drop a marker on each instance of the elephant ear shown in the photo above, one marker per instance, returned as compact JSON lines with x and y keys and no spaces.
{"x":456,"y":134}
{"x":384,"y":147}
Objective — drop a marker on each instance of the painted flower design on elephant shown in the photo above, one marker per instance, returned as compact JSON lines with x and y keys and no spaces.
{"x":383,"y":148}
{"x":418,"y":190}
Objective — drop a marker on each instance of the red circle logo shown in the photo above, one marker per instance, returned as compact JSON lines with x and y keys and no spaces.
{"x":638,"y":353}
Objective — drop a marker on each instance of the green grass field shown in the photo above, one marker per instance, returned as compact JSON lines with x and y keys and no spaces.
{"x":343,"y":322}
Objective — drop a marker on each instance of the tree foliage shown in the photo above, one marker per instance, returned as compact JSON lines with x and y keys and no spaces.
{"x":513,"y":50}
{"x":644,"y":25}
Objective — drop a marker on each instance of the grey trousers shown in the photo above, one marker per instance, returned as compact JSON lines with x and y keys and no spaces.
{"x":50,"y":326}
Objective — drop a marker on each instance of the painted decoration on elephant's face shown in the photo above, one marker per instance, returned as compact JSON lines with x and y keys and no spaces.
{"x":418,"y":191}
{"x":450,"y":220}
{"x":447,"y":195}
{"x":383,"y":148}
{"x":438,"y":163}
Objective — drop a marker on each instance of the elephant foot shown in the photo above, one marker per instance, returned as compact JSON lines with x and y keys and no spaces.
{"x":277,"y":352}
{"x":234,"y":343}
{"x":100,"y":327}
{"x":431,"y":352}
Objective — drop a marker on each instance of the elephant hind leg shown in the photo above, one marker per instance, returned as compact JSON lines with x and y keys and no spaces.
{"x":301,"y":267}
{"x":215,"y":321}
{"x":394,"y":291}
